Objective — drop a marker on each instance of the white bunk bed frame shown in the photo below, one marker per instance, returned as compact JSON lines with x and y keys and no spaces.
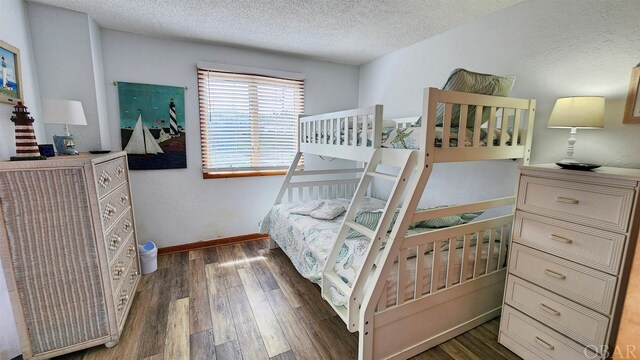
{"x":413,"y":326}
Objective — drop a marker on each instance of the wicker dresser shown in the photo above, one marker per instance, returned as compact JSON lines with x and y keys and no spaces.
{"x":68,"y":248}
{"x":574,"y":237}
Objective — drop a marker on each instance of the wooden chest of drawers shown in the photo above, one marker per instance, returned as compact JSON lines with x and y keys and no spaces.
{"x":573,"y":238}
{"x":69,"y":250}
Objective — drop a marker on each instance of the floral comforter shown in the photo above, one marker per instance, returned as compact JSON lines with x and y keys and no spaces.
{"x":308,"y":241}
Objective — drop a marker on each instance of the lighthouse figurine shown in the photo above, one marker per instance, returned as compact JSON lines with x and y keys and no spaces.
{"x":26,"y":145}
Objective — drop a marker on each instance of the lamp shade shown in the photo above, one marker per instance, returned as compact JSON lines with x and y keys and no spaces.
{"x":67,"y":112}
{"x":578,"y":112}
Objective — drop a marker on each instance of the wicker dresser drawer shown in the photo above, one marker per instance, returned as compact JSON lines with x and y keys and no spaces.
{"x":584,"y":285}
{"x":109,"y":175}
{"x":119,"y":234}
{"x":580,"y":323}
{"x":531,"y":340}
{"x":114,"y":205}
{"x":593,"y":205}
{"x":595,"y":248}
{"x":121,"y":264}
{"x":125,"y":294}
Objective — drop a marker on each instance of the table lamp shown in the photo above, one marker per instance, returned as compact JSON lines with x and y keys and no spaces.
{"x":65,"y":112}
{"x":585,"y":112}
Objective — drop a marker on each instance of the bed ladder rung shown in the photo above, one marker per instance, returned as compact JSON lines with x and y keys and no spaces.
{"x":382,"y":175}
{"x":361,"y":229}
{"x":337,"y":281}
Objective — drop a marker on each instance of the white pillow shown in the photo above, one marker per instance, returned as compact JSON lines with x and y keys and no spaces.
{"x":328,"y":212}
{"x":306,"y":208}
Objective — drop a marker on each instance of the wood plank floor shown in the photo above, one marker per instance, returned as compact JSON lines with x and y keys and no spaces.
{"x":244,"y":301}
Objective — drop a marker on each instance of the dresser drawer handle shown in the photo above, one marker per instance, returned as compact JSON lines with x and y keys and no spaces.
{"x":567,"y":200}
{"x":560,"y":239}
{"x":115,"y":240}
{"x":554,"y":274}
{"x":544,"y":344}
{"x":549,"y":309}
{"x":131,"y":250}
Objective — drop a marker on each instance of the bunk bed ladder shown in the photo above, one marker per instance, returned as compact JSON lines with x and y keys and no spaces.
{"x":403,"y":159}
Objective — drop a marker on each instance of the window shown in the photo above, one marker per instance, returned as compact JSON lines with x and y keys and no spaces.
{"x":248,"y":120}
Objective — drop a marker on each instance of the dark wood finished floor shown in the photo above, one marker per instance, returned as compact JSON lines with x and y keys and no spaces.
{"x":245,"y":302}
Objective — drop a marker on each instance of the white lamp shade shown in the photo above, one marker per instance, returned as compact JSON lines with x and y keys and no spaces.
{"x":578,"y":112}
{"x":67,"y":112}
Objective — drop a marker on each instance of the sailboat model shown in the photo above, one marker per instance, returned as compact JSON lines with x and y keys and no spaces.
{"x":142,"y":142}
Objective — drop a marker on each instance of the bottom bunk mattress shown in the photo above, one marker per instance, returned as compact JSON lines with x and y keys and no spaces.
{"x":308,"y":242}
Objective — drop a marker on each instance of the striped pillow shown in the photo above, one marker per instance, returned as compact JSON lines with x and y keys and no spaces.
{"x":370,"y":219}
{"x":477,"y":83}
{"x":447,"y":221}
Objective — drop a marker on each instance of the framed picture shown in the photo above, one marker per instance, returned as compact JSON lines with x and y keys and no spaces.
{"x":632,"y":109}
{"x":10,"y":81}
{"x":152,"y":126}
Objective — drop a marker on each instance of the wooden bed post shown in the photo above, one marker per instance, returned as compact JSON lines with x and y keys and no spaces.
{"x":416,"y":189}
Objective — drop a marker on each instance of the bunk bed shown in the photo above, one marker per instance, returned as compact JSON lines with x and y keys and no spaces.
{"x":404,"y":288}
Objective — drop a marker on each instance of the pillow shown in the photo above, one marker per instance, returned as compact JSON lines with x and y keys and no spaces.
{"x":447,"y":221}
{"x":327,"y":212}
{"x":388,"y":124}
{"x":477,"y":83}
{"x":368,"y":219}
{"x":306,"y":208}
{"x":397,"y":138}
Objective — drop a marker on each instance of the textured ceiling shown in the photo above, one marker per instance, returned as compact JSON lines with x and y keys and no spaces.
{"x":343,"y":31}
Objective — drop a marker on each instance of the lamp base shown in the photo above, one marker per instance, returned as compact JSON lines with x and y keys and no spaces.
{"x":568,"y":161}
{"x":65,"y":145}
{"x":577,"y":166}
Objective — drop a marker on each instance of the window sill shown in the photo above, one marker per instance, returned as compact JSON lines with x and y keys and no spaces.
{"x":243,"y":174}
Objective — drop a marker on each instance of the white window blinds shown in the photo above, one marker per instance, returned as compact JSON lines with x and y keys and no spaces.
{"x":248,"y":122}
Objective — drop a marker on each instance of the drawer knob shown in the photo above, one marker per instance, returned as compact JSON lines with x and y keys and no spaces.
{"x":555,"y":274}
{"x":567,"y":200}
{"x":132,"y":278}
{"x":126,"y":226}
{"x":108,"y":212}
{"x":119,"y":171}
{"x":131,"y":250}
{"x":545,"y":344}
{"x":560,"y":239}
{"x":104,"y":179}
{"x":549,"y":309}
{"x":115,"y":240}
{"x":124,"y":199}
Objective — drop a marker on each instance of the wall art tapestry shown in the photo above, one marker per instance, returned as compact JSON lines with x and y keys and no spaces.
{"x":152,"y":126}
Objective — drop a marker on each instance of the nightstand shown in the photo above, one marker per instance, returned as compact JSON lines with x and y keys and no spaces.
{"x":573,"y":238}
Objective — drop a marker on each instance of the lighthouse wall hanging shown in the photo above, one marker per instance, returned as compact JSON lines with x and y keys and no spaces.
{"x":26,"y":145}
{"x":10,"y":81}
{"x":152,"y":126}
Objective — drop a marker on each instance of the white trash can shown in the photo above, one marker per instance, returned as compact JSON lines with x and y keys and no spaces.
{"x":148,"y":253}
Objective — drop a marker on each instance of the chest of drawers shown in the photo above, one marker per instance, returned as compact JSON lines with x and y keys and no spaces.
{"x":68,"y":247}
{"x":573,"y":240}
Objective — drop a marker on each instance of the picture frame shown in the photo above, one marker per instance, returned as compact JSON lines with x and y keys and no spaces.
{"x":632,"y":109}
{"x":10,"y":74}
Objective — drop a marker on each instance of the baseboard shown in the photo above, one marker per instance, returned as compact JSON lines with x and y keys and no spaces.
{"x":211,"y":243}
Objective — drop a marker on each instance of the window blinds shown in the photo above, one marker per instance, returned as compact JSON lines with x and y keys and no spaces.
{"x":248,"y":122}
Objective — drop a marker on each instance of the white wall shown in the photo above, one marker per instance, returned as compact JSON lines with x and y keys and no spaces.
{"x":69,"y":64}
{"x":555,"y":48}
{"x":14,"y":29}
{"x":178,"y":206}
